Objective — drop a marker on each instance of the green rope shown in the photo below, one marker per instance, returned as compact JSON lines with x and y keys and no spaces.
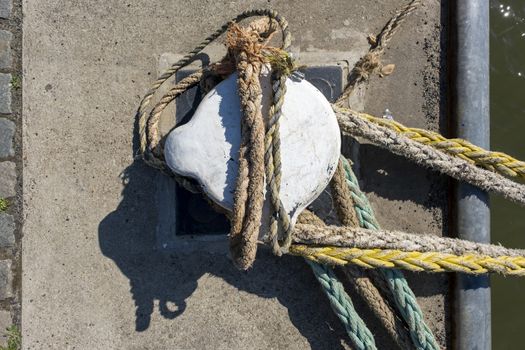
{"x":404,"y":298}
{"x":341,"y":303}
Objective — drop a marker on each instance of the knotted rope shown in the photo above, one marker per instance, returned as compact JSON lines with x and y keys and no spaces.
{"x":245,"y":46}
{"x":243,"y":244}
{"x":142,"y":112}
{"x":370,"y":63}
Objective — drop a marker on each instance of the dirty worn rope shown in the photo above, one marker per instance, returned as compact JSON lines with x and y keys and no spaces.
{"x":342,"y":196}
{"x":404,"y":298}
{"x":142,"y":115}
{"x":495,"y":161}
{"x":154,"y":118}
{"x":272,"y":159}
{"x":341,"y":303}
{"x":371,"y":62}
{"x":344,"y":308}
{"x":248,"y":196}
{"x":473,"y":264}
{"x":457,"y":168}
{"x":258,"y":148}
{"x":360,"y":281}
{"x":344,"y":236}
{"x":364,"y":287}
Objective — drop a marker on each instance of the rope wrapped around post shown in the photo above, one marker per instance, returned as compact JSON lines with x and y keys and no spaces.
{"x":322,"y":246}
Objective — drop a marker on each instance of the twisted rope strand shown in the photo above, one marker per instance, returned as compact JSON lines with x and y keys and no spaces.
{"x":371,"y":62}
{"x":248,"y":197}
{"x":495,"y":161}
{"x":146,"y":100}
{"x":345,"y":206}
{"x":154,"y":118}
{"x":457,"y":168}
{"x":272,"y":161}
{"x":473,"y":264}
{"x":342,"y":197}
{"x":345,"y":311}
{"x":341,"y":303}
{"x":404,"y":298}
{"x":344,"y":236}
{"x":363,"y":286}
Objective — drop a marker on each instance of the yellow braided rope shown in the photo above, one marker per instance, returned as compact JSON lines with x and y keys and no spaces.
{"x":495,"y":161}
{"x":413,"y":261}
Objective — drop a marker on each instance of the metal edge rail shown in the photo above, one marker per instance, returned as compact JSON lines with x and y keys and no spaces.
{"x":470,"y":119}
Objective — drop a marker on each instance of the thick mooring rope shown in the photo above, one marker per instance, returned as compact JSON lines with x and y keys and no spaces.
{"x":427,"y":156}
{"x":345,"y":236}
{"x":341,"y":303}
{"x":363,"y":285}
{"x":472,"y":264}
{"x":248,"y":196}
{"x":495,"y":161}
{"x":404,"y":298}
{"x":344,"y":203}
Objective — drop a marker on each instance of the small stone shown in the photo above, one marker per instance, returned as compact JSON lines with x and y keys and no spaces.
{"x":6,"y":279}
{"x":7,"y":132}
{"x":5,"y":8}
{"x":387,"y":70}
{"x":5,"y":49}
{"x":346,"y":22}
{"x":388,"y":115}
{"x":7,"y":230}
{"x":8,"y":179}
{"x":5,"y":93}
{"x":5,"y":322}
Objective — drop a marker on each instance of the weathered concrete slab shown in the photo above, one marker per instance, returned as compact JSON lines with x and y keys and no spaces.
{"x":91,"y":275}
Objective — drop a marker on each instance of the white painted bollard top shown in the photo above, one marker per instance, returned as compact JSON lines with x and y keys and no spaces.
{"x":206,"y":148}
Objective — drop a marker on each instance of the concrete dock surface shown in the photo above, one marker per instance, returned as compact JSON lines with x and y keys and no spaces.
{"x":92,"y":276}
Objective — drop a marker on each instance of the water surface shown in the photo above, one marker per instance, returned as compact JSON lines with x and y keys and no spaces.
{"x":507,"y":55}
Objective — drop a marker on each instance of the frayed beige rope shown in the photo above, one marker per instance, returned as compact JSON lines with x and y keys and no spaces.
{"x":371,"y":62}
{"x":364,"y":286}
{"x":142,"y":112}
{"x":342,"y":197}
{"x":249,"y":196}
{"x":153,"y":121}
{"x":351,"y":123}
